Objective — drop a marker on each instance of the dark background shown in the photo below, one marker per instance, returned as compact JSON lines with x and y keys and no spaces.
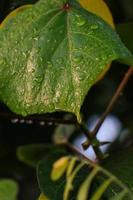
{"x":13,"y":135}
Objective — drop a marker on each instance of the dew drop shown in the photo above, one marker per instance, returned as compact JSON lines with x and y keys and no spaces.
{"x":29,"y":122}
{"x":50,"y":123}
{"x":94,"y":26}
{"x":80,"y":21}
{"x":42,"y":123}
{"x":21,"y":121}
{"x":35,"y":38}
{"x":14,"y":121}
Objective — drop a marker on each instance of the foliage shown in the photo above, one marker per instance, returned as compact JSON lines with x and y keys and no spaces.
{"x":52,"y":53}
{"x":90,"y":180}
{"x":123,"y":165}
{"x":8,"y":189}
{"x":54,"y":75}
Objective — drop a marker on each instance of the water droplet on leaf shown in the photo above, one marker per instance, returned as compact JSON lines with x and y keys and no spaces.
{"x":80,"y":21}
{"x":14,"y":121}
{"x":94,"y":26}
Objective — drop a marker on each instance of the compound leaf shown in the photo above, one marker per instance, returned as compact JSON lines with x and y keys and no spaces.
{"x":81,"y":180}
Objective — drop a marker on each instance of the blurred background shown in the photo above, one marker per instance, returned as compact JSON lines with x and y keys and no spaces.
{"x":119,"y":123}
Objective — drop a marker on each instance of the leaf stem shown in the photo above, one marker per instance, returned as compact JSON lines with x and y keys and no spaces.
{"x":91,"y":140}
{"x":78,"y":153}
{"x":113,"y":100}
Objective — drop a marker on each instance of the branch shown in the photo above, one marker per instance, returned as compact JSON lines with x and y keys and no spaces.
{"x":91,"y":140}
{"x":36,"y":119}
{"x":113,"y":100}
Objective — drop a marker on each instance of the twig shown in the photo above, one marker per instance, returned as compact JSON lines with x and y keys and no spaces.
{"x":113,"y":100}
{"x":76,"y":151}
{"x":37,"y":119}
{"x":91,"y":140}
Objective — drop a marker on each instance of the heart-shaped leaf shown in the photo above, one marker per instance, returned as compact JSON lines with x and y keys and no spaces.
{"x":51,"y":54}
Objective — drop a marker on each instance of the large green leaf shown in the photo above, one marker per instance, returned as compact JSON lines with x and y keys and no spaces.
{"x":51,"y":54}
{"x":121,"y":164}
{"x":8,"y":189}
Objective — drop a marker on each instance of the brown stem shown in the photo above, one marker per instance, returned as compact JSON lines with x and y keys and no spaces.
{"x":113,"y":100}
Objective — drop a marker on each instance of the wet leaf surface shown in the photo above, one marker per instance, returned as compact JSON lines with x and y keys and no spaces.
{"x":56,"y":53}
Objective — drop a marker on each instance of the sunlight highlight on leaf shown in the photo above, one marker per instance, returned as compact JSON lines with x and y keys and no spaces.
{"x":42,"y":197}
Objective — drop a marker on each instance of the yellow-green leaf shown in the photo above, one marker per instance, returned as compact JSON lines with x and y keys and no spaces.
{"x":85,"y":187}
{"x":59,"y":167}
{"x":42,"y":197}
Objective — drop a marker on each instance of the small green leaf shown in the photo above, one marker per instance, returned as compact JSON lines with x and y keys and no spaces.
{"x":50,"y":61}
{"x":8,"y":189}
{"x":31,"y":154}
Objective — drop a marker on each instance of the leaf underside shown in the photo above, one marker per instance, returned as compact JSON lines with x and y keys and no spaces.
{"x":50,"y":56}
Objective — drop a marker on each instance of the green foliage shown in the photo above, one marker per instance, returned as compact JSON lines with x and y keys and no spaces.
{"x":51,"y":54}
{"x":125,"y":31}
{"x":42,"y":197}
{"x":53,"y":190}
{"x":49,"y":62}
{"x":8,"y":189}
{"x":120,"y":163}
{"x":31,"y":154}
{"x":80,"y":180}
